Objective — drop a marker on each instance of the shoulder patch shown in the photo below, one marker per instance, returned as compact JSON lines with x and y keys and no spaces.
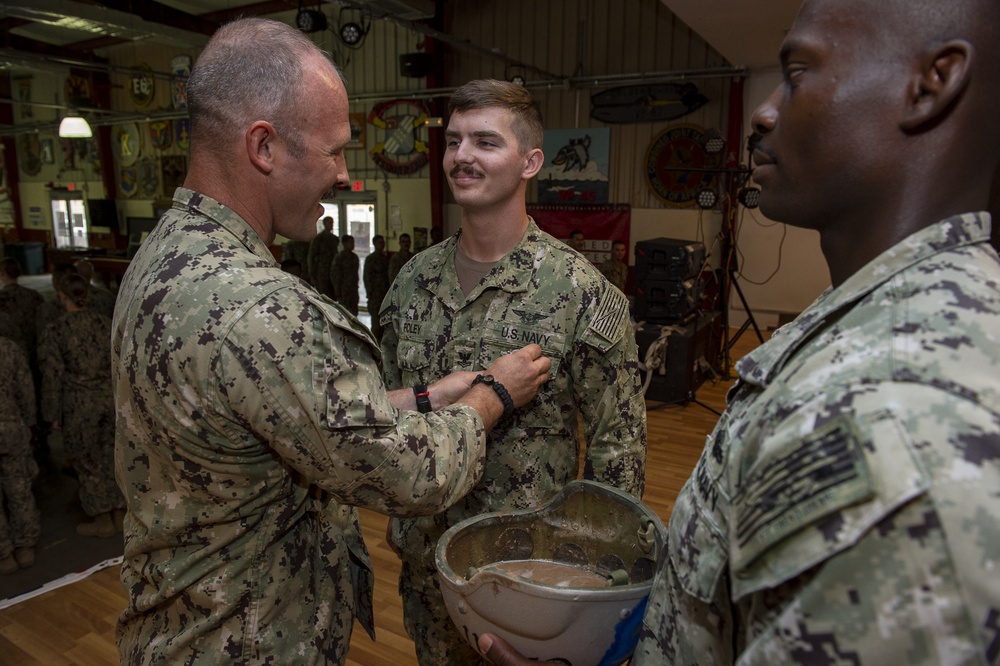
{"x":813,"y":477}
{"x":611,"y":317}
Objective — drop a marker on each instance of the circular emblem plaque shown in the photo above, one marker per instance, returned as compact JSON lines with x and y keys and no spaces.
{"x":399,"y":151}
{"x":141,"y":85}
{"x":673,"y":165}
{"x":125,"y":143}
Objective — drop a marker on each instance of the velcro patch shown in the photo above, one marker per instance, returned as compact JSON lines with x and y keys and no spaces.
{"x":795,"y":487}
{"x":611,"y":315}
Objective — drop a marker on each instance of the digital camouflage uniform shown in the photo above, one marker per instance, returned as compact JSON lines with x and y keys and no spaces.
{"x":22,"y":304}
{"x":322,"y":250}
{"x":101,"y":300}
{"x":376,"y":278}
{"x":541,"y":292}
{"x":846,"y":509}
{"x":251,"y":414}
{"x":396,"y":263}
{"x":299,"y":251}
{"x":75,"y":357}
{"x":616,"y":272}
{"x":20,"y":520}
{"x":344,"y":278}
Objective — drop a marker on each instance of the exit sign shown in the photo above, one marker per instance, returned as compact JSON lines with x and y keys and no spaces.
{"x":357,"y":186}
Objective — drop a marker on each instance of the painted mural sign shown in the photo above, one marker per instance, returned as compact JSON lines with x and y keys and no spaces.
{"x":576,"y":166}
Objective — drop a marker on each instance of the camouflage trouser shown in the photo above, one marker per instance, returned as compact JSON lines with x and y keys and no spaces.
{"x":20,"y":519}
{"x":436,"y":638}
{"x":89,"y":439}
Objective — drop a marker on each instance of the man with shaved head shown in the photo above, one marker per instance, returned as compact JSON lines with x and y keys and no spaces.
{"x":846,"y":510}
{"x":252,"y":416}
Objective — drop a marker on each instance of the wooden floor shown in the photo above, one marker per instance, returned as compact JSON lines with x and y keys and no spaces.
{"x":74,"y":625}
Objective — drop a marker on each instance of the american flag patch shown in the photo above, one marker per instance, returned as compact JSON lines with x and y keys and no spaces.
{"x":611,"y":315}
{"x":797,"y":487}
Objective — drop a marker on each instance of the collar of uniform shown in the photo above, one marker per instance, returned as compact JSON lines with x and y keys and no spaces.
{"x":761,"y":365}
{"x":511,"y":273}
{"x":225,"y":218}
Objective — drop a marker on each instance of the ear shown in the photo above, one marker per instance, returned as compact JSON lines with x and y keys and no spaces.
{"x":942,"y":76}
{"x":260,"y":139}
{"x":534,"y":161}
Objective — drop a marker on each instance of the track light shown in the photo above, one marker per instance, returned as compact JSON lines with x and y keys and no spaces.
{"x":707,"y":198}
{"x":310,"y":20}
{"x":749,"y":197}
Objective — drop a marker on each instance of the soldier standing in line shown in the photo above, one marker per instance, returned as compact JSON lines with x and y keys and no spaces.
{"x":322,"y":250}
{"x":399,"y":259}
{"x":615,"y":269}
{"x":344,"y":275}
{"x":20,"y":520}
{"x":100,"y":299}
{"x":75,"y":358}
{"x":376,"y":278}
{"x":497,"y":284}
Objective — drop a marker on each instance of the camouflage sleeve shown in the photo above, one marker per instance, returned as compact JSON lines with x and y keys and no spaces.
{"x":50,"y":362}
{"x":390,"y":339}
{"x":608,"y":392}
{"x":312,"y":390}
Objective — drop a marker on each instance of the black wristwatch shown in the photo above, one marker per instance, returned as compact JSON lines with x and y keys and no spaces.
{"x":423,"y":397}
{"x":501,"y":391}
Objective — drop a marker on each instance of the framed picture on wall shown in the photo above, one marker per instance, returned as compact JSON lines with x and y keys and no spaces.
{"x":48,"y":152}
{"x":357,"y":131}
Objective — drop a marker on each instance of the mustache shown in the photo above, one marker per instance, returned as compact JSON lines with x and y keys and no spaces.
{"x":467,"y":170}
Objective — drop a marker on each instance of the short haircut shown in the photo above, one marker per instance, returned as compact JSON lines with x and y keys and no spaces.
{"x":526,"y":117}
{"x":252,"y":69}
{"x":575,"y":233}
{"x":11,"y":268}
{"x":345,"y":238}
{"x":402,"y":236}
{"x":378,"y":237}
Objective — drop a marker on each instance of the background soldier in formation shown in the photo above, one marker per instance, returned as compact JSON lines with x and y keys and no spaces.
{"x":322,"y":250}
{"x":376,"y":278}
{"x":344,"y":275}
{"x":76,"y":399}
{"x":20,"y":520}
{"x":399,"y":259}
{"x":615,"y":269}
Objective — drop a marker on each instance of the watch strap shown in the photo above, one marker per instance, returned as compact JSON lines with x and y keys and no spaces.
{"x":423,"y":397}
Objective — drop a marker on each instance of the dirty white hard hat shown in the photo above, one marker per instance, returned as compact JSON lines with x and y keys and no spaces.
{"x":502,"y":573}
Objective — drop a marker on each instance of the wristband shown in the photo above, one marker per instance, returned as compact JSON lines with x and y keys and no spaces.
{"x":423,"y":397}
{"x":501,"y":391}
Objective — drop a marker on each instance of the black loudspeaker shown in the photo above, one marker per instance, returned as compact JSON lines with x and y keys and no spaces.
{"x":415,"y":65}
{"x":668,"y":259}
{"x":689,"y":357}
{"x":666,"y":301}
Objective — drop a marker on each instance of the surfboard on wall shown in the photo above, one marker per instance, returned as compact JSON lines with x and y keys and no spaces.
{"x":646,"y":103}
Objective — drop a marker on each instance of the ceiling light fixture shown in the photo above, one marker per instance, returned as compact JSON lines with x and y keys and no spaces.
{"x":75,"y":127}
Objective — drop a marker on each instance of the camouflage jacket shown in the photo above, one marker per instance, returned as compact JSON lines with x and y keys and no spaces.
{"x":396,"y":263}
{"x":376,"y":278}
{"x":22,"y":305}
{"x":17,"y":390}
{"x":846,"y":508}
{"x":541,"y":292}
{"x":74,"y":354}
{"x":344,"y":274}
{"x":322,"y":250}
{"x":251,"y":414}
{"x":616,"y":272}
